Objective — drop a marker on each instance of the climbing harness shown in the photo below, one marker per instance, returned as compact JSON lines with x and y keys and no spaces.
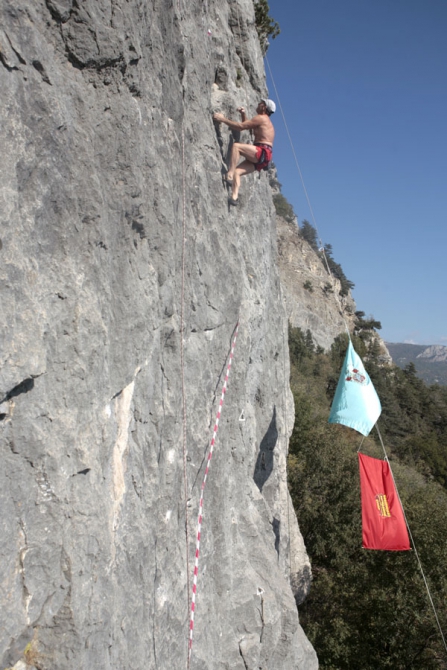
{"x":202,"y":490}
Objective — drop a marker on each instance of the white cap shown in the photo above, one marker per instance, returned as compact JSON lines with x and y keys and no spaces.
{"x":270,"y":105}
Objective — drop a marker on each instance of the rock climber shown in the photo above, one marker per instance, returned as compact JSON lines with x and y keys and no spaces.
{"x":257,"y":155}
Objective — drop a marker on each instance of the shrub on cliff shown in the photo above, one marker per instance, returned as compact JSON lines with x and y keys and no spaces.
{"x":284,"y":208}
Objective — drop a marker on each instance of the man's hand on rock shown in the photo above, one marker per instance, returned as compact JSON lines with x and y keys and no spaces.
{"x":218,"y":117}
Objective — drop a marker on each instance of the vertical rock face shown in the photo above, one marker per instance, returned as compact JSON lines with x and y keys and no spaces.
{"x":313,"y":301}
{"x":115,"y":238}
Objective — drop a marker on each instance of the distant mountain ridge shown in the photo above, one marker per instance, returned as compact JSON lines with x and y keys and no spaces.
{"x":436,"y":353}
{"x":430,"y":361}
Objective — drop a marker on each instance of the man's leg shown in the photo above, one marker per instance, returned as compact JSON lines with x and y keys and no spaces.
{"x":247,"y":167}
{"x":248,"y":151}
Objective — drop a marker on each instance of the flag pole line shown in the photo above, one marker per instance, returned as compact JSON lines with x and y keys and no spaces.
{"x":339,"y":305}
{"x":349,"y":335}
{"x":412,"y":541}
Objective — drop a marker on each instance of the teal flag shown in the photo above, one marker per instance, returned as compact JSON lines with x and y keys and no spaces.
{"x":356,"y":403}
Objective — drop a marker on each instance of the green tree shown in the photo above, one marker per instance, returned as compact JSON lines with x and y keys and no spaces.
{"x":265,"y":24}
{"x":365,"y":327}
{"x":337,"y":271}
{"x":308,"y":233}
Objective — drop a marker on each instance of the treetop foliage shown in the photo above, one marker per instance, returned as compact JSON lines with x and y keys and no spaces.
{"x":284,"y":208}
{"x":265,"y":24}
{"x":308,"y":233}
{"x":366,"y":324}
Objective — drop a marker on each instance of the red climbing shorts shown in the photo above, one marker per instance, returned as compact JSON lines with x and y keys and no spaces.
{"x":263,"y":156}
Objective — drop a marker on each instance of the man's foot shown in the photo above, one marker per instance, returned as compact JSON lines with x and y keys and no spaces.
{"x":232,"y":201}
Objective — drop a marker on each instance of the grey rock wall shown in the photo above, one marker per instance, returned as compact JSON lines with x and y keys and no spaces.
{"x":116,"y":236}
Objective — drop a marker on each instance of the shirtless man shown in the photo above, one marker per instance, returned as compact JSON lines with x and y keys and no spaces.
{"x":258,"y":155}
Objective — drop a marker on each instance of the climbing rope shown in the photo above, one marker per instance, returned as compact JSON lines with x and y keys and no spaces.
{"x":182,"y":366}
{"x":200,"y":514}
{"x":412,"y":542}
{"x":286,"y":431}
{"x":322,"y":250}
{"x":244,"y":89}
{"x":207,"y":35}
{"x":191,"y":602}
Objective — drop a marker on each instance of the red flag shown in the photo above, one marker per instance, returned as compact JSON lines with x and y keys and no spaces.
{"x":383,"y":522}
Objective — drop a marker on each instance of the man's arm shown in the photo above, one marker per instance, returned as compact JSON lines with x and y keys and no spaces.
{"x":249,"y":124}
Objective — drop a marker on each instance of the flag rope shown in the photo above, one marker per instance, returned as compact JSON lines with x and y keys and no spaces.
{"x":322,"y":250}
{"x":202,"y":491}
{"x":349,"y":335}
{"x":361,"y":442}
{"x":412,"y":541}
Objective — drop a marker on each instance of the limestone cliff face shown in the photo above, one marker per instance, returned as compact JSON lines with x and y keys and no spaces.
{"x":312,"y":299}
{"x":115,"y":237}
{"x":319,"y":308}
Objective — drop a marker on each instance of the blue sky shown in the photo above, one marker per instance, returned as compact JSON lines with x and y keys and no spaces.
{"x":363,"y":87}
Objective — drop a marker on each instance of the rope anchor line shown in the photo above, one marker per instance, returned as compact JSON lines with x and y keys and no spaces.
{"x":322,"y":248}
{"x":340,"y":307}
{"x":200,"y":515}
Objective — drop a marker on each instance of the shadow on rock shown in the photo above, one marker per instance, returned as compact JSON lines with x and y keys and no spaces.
{"x":264,"y":462}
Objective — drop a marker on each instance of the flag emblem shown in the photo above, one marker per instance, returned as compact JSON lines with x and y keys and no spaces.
{"x":356,"y":376}
{"x":357,"y":404}
{"x":382,"y":505}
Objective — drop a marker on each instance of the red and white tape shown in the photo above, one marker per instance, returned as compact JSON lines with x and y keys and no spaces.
{"x":200,"y":516}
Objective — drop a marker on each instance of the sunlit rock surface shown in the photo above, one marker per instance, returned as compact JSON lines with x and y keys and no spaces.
{"x":116,"y":236}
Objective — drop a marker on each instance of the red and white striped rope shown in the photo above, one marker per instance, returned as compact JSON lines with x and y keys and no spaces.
{"x":200,"y":516}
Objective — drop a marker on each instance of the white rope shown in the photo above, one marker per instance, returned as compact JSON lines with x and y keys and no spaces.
{"x":412,"y":542}
{"x":207,"y":34}
{"x":180,"y":7}
{"x":182,"y":366}
{"x":241,"y":42}
{"x":339,"y":305}
{"x":286,"y":430}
